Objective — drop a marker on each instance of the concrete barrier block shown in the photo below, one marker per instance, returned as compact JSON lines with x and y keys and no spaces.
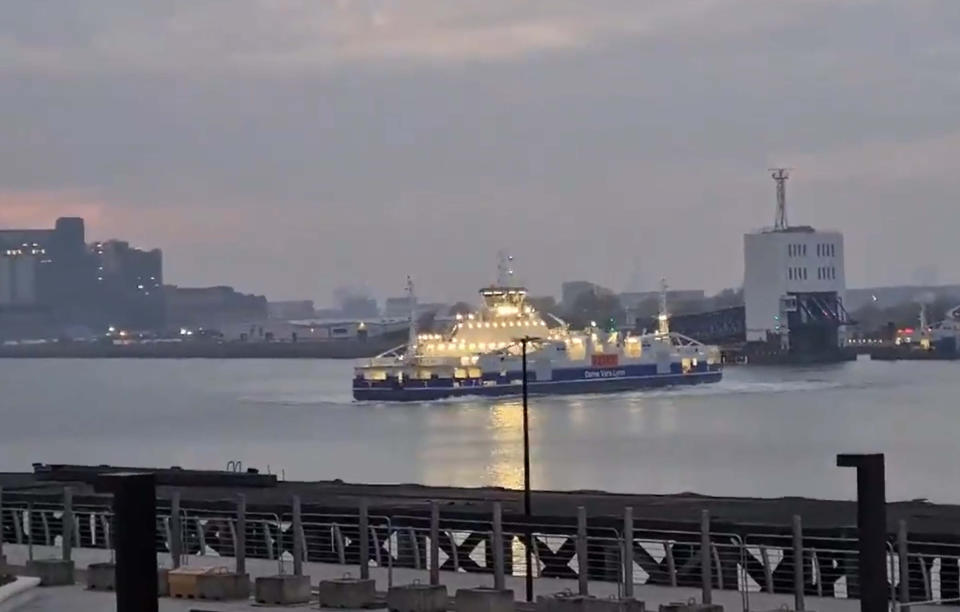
{"x":102,"y":576}
{"x":483,"y":599}
{"x":561,"y":602}
{"x":690,"y":606}
{"x":51,"y":572}
{"x":417,"y":598}
{"x":163,"y":582}
{"x":597,"y":604}
{"x":223,"y":586}
{"x":285,"y":589}
{"x":347,"y":593}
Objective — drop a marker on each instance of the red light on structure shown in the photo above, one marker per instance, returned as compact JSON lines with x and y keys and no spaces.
{"x":908,"y":330}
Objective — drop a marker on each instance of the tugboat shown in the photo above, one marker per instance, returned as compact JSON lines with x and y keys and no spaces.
{"x":483,"y":354}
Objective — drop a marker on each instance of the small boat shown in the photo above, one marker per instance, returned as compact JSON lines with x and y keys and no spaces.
{"x":485,"y":353}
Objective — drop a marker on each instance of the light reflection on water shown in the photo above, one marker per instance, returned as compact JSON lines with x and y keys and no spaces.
{"x":762,"y":431}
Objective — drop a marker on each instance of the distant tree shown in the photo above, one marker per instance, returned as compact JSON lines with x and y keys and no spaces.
{"x":544,"y":304}
{"x":461,"y":308}
{"x":728,"y":298}
{"x":873,"y":317}
{"x":425,"y":321}
{"x":603,"y":308}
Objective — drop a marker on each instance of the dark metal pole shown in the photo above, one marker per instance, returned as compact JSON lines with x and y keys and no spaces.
{"x":872,"y":528}
{"x":526,"y":476}
{"x":134,"y":506}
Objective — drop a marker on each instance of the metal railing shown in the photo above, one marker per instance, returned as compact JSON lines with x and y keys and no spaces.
{"x":795,"y":565}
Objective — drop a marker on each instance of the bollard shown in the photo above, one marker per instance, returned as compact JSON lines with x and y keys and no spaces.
{"x":705,"y":561}
{"x":434,"y":543}
{"x":583,"y":570}
{"x":67,"y":536}
{"x":904,"y":566}
{"x":176,"y":535}
{"x":297,"y":542}
{"x":628,"y":552}
{"x":499,"y":582}
{"x":241,"y":544}
{"x":364,"y":540}
{"x":798,"y":603}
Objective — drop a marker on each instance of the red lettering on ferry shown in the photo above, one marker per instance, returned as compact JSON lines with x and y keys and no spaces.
{"x":601,"y":360}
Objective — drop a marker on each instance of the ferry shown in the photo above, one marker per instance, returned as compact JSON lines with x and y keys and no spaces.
{"x":485,"y":353}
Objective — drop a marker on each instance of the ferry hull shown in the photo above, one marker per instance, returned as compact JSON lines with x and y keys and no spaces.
{"x":559,"y":387}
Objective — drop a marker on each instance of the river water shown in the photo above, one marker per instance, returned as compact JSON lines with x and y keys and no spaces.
{"x":760,"y":432}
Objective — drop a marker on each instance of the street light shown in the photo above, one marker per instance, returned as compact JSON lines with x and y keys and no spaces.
{"x":524,"y":341}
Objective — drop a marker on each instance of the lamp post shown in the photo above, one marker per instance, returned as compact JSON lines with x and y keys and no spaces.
{"x":524,"y":341}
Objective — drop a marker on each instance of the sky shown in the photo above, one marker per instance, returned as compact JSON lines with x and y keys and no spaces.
{"x":291,"y":147}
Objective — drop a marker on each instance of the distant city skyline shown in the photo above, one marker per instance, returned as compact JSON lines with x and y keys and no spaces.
{"x":288,"y":149}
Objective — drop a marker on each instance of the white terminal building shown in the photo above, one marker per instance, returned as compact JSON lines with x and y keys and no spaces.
{"x":794,"y":284}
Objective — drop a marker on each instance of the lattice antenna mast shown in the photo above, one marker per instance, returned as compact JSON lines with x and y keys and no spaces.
{"x":780,"y":175}
{"x":412,"y":336}
{"x":504,"y":269}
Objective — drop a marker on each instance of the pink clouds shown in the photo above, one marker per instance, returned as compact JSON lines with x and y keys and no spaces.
{"x":39,"y":209}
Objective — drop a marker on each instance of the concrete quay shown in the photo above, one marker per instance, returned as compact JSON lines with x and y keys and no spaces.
{"x":78,"y":598}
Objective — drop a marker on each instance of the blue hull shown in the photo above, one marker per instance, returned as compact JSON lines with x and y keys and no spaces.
{"x":559,"y":387}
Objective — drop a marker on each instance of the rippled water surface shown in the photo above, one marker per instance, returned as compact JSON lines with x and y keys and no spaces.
{"x":762,"y":431}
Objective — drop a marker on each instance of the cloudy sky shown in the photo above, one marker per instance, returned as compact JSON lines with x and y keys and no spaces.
{"x":290,"y":147}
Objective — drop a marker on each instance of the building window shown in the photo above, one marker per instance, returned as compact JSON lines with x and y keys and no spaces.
{"x":789,"y":273}
{"x":804,"y":247}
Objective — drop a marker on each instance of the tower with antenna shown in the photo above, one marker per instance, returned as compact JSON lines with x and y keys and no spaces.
{"x":793,"y":287}
{"x":780,"y":176}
